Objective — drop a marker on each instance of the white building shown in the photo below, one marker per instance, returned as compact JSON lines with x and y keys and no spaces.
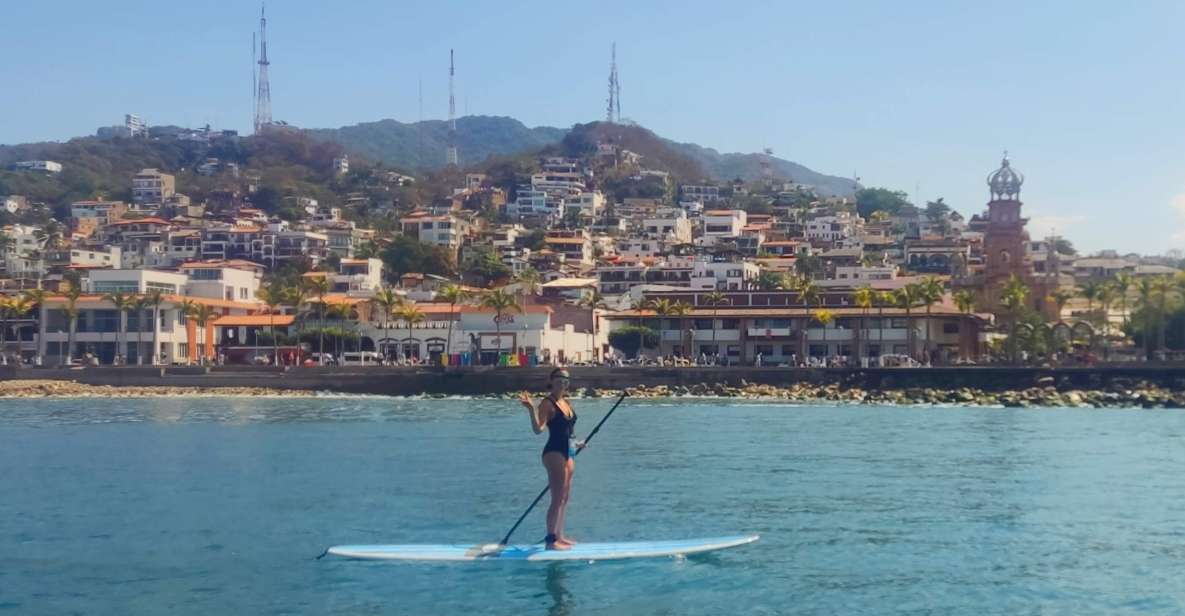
{"x":835,"y":228}
{"x":723,"y":276}
{"x":586,"y":205}
{"x":46,"y":166}
{"x":702,"y":194}
{"x":358,"y":277}
{"x":669,"y":225}
{"x":722,"y":224}
{"x":341,"y":165}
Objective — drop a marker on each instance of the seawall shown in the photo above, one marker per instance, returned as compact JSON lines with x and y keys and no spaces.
{"x":407,"y":381}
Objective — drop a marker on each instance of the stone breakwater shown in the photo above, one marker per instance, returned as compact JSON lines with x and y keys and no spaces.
{"x":72,"y":389}
{"x":1125,"y":394}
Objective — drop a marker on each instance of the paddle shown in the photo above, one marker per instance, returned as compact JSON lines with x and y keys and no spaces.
{"x":506,"y":539}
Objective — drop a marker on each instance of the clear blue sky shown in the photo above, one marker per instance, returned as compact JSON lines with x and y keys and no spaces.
{"x":917,"y":96}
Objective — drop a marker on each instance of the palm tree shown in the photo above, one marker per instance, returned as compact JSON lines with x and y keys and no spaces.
{"x":665,"y":307}
{"x":7,"y":311}
{"x":411,"y":316}
{"x":272,"y":295}
{"x":386,"y":300}
{"x":140,"y":304}
{"x":716,"y":299}
{"x":883,"y":300}
{"x":123,"y":303}
{"x":594,"y":301}
{"x":296,"y":296}
{"x":339,"y":312}
{"x":964,"y":301}
{"x":1123,"y":282}
{"x":71,"y":311}
{"x":155,"y":298}
{"x":907,"y":297}
{"x":319,"y":288}
{"x":202,"y":316}
{"x":808,"y":293}
{"x":1061,"y":297}
{"x":453,"y":294}
{"x":1013,"y":300}
{"x":769,"y":281}
{"x":500,"y":302}
{"x":825,"y":317}
{"x":930,"y":291}
{"x":862,"y":298}
{"x":1090,"y":291}
{"x":188,"y":308}
{"x":1163,"y":287}
{"x":530,"y":282}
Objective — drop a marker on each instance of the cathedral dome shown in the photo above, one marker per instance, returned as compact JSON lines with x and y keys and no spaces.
{"x":1005,"y":182}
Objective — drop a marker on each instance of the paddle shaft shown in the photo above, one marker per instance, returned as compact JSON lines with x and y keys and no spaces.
{"x":506,"y":539}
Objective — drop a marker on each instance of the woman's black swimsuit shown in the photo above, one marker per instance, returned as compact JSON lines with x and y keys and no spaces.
{"x":559,"y":432}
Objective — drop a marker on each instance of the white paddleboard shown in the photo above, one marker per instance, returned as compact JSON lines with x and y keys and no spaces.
{"x":580,"y":551}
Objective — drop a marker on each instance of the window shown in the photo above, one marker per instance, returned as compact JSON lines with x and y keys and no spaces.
{"x":243,"y":293}
{"x":787,"y":350}
{"x":161,"y":286}
{"x":103,"y":287}
{"x":898,"y":323}
{"x":703,"y":323}
{"x":764,"y":349}
{"x":730,"y":323}
{"x":950,"y":327}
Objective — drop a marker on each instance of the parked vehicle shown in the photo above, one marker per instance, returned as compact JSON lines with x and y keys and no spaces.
{"x":362,"y":358}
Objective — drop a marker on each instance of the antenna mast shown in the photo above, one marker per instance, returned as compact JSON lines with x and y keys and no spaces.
{"x":263,"y":98}
{"x":254,"y":86}
{"x":613,"y":112}
{"x":452,"y":115}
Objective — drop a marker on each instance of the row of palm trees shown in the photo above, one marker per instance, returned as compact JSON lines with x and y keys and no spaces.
{"x":1155,"y":299}
{"x":387,"y":307}
{"x":925,"y":293}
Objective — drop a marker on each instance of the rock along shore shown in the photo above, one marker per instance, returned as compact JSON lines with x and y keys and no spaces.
{"x":73,"y":389}
{"x":1119,"y":393}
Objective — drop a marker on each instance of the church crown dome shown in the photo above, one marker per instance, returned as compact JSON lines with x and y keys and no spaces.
{"x":1005,"y":182}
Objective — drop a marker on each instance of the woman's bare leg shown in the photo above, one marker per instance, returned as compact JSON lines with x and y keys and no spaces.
{"x":569,"y":470}
{"x":557,"y":473}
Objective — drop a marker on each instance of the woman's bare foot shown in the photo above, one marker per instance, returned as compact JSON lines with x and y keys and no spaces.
{"x":568,"y":541}
{"x":559,"y":544}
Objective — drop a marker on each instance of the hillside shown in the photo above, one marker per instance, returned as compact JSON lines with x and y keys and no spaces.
{"x":748,"y":167}
{"x":421,"y":146}
{"x":478,"y":137}
{"x":656,"y":152}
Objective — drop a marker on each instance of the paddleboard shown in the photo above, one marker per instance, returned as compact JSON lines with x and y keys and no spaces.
{"x":580,"y":551}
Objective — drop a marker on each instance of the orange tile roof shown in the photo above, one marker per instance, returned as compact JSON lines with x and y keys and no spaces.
{"x":254,"y":320}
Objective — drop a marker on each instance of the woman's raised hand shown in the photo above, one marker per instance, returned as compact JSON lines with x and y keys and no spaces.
{"x":525,"y":398}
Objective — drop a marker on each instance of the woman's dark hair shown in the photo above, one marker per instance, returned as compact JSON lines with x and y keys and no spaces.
{"x":558,"y":372}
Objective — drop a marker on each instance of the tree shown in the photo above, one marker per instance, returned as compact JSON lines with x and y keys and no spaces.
{"x":594,"y":301}
{"x":411,"y":316}
{"x":71,"y":311}
{"x":769,"y":281}
{"x":824,"y":317}
{"x":883,"y":299}
{"x":931,"y":291}
{"x":1123,"y":282}
{"x":1061,"y":297}
{"x":500,"y":302}
{"x":809,"y":267}
{"x":386,"y":301}
{"x":1013,"y":300}
{"x":964,"y":301}
{"x":716,"y":299}
{"x":155,"y":298}
{"x":1090,"y":291}
{"x":340,"y":313}
{"x":406,"y":254}
{"x":907,"y":297}
{"x":937,"y":211}
{"x":862,"y":298}
{"x":665,"y":307}
{"x":453,"y":294}
{"x":319,"y":287}
{"x":7,"y":311}
{"x":272,"y":295}
{"x":632,"y":338}
{"x":484,"y":264}
{"x":140,"y":304}
{"x":530,"y":282}
{"x":808,"y":293}
{"x":123,"y":304}
{"x":296,"y":295}
{"x":203,"y":316}
{"x":869,"y":200}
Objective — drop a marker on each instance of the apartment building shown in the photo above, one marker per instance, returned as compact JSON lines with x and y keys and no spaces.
{"x":151,"y":187}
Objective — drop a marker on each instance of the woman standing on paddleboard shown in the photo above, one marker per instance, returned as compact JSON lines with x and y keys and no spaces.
{"x":555,"y":412}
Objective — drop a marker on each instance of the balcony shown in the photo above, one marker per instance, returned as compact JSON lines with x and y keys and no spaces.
{"x":722,"y":335}
{"x":768,"y":332}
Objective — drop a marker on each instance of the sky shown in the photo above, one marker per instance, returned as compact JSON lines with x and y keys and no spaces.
{"x":922,"y":96}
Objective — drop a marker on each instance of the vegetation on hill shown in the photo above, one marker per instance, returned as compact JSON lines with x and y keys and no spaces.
{"x":748,"y":167}
{"x":421,"y":146}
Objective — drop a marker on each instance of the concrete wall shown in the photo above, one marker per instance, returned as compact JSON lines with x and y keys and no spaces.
{"x":486,"y":380}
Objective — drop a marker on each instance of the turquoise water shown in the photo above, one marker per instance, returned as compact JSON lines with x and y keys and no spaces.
{"x":216,"y":506}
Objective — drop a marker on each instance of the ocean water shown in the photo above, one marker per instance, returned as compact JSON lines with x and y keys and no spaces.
{"x":220,"y":506}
